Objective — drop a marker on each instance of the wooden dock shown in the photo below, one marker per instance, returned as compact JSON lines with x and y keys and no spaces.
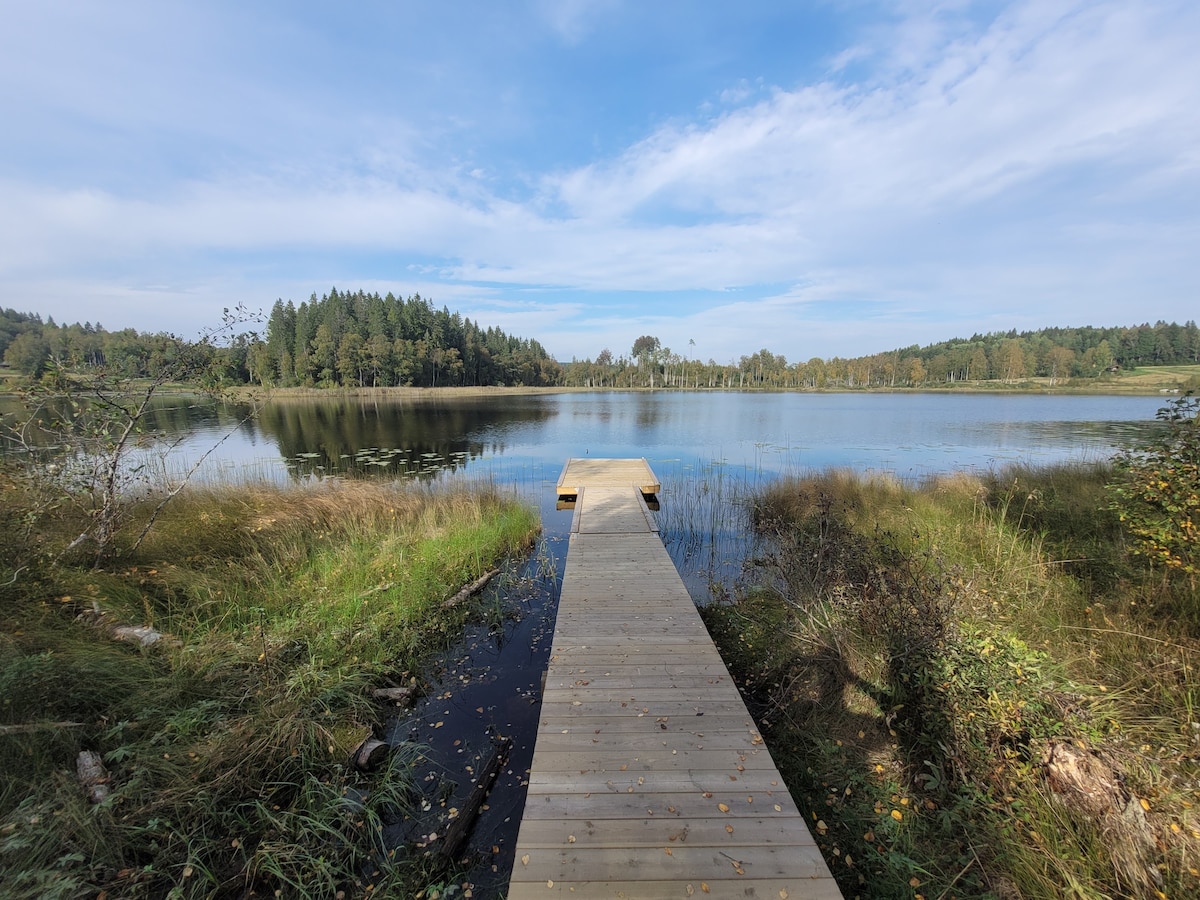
{"x":649,"y":777}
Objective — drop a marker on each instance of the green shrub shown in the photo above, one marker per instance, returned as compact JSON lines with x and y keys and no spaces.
{"x":1157,"y":492}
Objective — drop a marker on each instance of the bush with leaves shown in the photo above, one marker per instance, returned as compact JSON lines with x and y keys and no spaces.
{"x":1157,"y":492}
{"x":76,"y":426}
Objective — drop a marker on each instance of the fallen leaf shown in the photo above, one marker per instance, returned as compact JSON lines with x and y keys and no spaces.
{"x":723,"y":807}
{"x":704,"y":886}
{"x":897,"y":815}
{"x":729,"y":829}
{"x":525,"y":860}
{"x":570,"y":838}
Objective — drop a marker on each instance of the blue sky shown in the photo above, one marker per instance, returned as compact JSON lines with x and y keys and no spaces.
{"x":822,"y":178}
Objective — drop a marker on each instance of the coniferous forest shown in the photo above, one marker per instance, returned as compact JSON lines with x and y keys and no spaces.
{"x":357,"y":339}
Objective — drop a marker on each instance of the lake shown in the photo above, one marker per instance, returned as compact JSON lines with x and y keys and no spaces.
{"x":524,"y":439}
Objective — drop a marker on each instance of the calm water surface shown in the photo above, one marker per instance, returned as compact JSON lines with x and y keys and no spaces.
{"x":524,"y":439}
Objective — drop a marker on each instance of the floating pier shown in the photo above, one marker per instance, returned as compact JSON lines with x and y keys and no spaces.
{"x":649,"y":777}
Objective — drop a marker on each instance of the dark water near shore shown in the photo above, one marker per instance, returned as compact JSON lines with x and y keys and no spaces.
{"x":707,"y":449}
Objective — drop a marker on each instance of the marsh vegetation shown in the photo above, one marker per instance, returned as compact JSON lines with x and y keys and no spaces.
{"x":226,"y":738}
{"x":983,"y":686}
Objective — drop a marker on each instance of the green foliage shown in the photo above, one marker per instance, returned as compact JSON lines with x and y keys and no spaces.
{"x":1157,"y":493}
{"x":227,"y":743}
{"x":28,"y":353}
{"x":75,"y":431}
{"x":1055,"y":356}
{"x":953,"y":710}
{"x":356,"y":339}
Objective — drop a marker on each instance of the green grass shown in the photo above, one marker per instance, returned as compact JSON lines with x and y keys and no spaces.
{"x":970,"y":688}
{"x":228,"y":743}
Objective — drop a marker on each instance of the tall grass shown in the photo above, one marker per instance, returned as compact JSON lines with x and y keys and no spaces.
{"x":227,"y":742}
{"x":975,"y":694}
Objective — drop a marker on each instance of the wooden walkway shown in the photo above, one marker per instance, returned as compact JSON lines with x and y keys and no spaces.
{"x":649,"y":777}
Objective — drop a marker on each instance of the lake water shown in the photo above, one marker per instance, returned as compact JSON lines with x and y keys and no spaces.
{"x":528,"y":438}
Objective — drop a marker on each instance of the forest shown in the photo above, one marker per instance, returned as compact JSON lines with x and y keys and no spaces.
{"x":359,"y":339}
{"x":1010,"y":357}
{"x":341,"y":339}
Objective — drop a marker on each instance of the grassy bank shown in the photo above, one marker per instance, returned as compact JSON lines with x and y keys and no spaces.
{"x":227,"y":741}
{"x":971,"y":688}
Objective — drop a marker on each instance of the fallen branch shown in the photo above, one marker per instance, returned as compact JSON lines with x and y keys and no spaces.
{"x":460,"y":827}
{"x":34,"y":727}
{"x":93,"y":777}
{"x":470,"y":590}
{"x":370,"y":753}
{"x":401,"y":696}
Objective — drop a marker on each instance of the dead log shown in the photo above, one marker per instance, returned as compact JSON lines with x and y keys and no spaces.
{"x":143,"y":635}
{"x":459,"y":828}
{"x":34,"y":727}
{"x":401,"y":696}
{"x":370,"y":754}
{"x":470,"y":590}
{"x":93,"y":777}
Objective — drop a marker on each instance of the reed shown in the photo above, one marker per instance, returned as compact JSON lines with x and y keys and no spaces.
{"x":970,"y":686}
{"x":228,"y":742}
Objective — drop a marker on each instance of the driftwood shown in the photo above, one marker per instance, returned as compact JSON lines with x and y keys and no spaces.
{"x":370,"y":754}
{"x":143,"y":635}
{"x":93,"y":777}
{"x":470,"y":590}
{"x":460,"y":827}
{"x":401,"y":696}
{"x":34,"y":727}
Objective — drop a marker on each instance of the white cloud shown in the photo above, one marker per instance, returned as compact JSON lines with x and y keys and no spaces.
{"x":947,"y":168}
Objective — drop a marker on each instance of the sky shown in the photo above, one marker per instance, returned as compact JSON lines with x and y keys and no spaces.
{"x":822,"y":178}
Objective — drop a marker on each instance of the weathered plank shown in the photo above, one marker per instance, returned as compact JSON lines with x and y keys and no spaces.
{"x":649,"y":777}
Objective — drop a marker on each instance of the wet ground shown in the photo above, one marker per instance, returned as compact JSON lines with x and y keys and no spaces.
{"x":487,"y":687}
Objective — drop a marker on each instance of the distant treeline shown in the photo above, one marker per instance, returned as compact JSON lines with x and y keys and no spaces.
{"x":361,"y":339}
{"x":30,"y":346}
{"x":1056,"y":354}
{"x":340,"y":339}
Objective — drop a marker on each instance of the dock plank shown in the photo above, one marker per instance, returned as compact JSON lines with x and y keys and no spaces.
{"x":649,"y":777}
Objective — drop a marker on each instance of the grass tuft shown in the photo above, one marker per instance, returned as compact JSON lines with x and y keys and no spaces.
{"x":227,"y":743}
{"x":977,"y":694}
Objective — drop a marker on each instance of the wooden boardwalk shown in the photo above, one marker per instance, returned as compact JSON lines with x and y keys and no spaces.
{"x":649,"y":777}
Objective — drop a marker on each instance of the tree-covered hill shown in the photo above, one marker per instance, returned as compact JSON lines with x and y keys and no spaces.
{"x":340,"y":339}
{"x":364,"y":339}
{"x":359,"y":339}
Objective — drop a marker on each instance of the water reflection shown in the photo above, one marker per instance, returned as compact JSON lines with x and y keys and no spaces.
{"x":362,"y":437}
